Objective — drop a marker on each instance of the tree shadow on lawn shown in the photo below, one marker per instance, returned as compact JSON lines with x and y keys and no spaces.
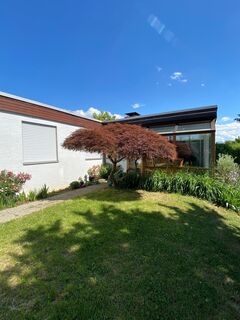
{"x":126,"y":264}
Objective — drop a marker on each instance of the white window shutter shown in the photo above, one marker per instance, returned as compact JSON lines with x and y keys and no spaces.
{"x":39,"y":143}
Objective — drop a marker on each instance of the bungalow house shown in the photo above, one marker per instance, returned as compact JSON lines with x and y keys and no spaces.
{"x":192,"y":130}
{"x":31,"y":135}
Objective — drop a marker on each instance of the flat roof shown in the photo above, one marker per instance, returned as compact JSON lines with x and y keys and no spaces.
{"x":11,"y":96}
{"x":206,"y":112}
{"x":194,"y":114}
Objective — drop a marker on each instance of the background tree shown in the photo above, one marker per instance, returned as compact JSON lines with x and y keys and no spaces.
{"x":103,"y":116}
{"x":231,"y":148}
{"x":238,"y":118}
{"x":121,"y":141}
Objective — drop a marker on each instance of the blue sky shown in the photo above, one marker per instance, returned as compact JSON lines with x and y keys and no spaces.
{"x":116,"y":55}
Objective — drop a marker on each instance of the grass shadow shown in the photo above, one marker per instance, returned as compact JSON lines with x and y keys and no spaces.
{"x":128,"y":259}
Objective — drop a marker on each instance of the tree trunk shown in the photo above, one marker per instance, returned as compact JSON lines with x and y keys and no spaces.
{"x":112,"y":173}
{"x":136,"y":164}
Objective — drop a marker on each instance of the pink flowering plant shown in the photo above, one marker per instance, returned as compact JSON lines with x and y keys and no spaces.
{"x":11,"y":184}
{"x":94,"y":172}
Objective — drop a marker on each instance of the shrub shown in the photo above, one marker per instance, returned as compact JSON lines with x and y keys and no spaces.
{"x":10,"y":186}
{"x":74,"y":185}
{"x":131,"y":180}
{"x":227,"y":170}
{"x":94,"y":172}
{"x":200,"y":186}
{"x":42,"y":193}
{"x":105,"y":170}
{"x":32,"y":195}
{"x":229,"y":147}
{"x":81,"y":183}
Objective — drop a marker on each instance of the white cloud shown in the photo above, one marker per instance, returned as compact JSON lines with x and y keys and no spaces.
{"x":137,"y":105}
{"x":178,"y":76}
{"x":202,"y":84}
{"x":89,"y":113}
{"x":159,"y":68}
{"x":225,"y":119}
{"x":228,"y":131}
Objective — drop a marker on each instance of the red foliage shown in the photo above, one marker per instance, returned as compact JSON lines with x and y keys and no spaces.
{"x":140,"y":142}
{"x":119,"y":141}
{"x":183,"y":149}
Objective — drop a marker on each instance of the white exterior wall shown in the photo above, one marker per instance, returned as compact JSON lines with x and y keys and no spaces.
{"x":70,"y":166}
{"x":122,"y":163}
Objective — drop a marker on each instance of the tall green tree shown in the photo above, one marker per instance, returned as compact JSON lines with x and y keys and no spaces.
{"x":103,"y":116}
{"x":238,"y":118}
{"x":230,"y":147}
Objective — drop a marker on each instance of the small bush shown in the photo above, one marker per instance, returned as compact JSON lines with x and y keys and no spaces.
{"x":10,"y":187}
{"x":94,"y":172}
{"x":74,"y":185}
{"x":42,"y":193}
{"x":32,"y":196}
{"x":105,"y":171}
{"x":22,"y":197}
{"x":131,"y":180}
{"x":227,"y":170}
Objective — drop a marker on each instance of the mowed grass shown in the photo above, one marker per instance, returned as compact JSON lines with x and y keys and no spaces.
{"x":122,"y":255}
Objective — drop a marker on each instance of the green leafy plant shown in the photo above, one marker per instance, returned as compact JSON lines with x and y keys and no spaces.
{"x":105,"y":170}
{"x":227,"y":170}
{"x":42,"y":193}
{"x":22,"y":197}
{"x":229,"y":147}
{"x":103,"y":116}
{"x":10,"y":187}
{"x":200,"y":186}
{"x":32,"y":195}
{"x":74,"y":185}
{"x":131,"y":180}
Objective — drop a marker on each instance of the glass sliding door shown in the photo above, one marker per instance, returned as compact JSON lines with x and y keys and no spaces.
{"x":195,"y":149}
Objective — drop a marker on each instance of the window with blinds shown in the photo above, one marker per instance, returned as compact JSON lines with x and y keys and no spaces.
{"x":39,"y":143}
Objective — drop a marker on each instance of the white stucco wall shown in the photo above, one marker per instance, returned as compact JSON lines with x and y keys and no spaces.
{"x":122,"y":163}
{"x":70,"y":166}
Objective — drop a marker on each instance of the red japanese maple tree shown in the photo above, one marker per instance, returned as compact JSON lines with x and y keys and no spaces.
{"x":121,"y":141}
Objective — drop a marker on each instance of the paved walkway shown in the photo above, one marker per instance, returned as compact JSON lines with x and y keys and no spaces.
{"x":30,"y":207}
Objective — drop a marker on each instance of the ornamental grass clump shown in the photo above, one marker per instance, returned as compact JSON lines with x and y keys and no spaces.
{"x":200,"y":186}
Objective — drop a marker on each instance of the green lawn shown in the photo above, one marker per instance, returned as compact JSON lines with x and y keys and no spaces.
{"x":122,"y":255}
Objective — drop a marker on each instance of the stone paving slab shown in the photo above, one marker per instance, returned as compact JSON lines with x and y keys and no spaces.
{"x":30,"y":207}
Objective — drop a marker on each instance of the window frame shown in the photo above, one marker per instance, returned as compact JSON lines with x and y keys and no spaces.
{"x":176,"y":125}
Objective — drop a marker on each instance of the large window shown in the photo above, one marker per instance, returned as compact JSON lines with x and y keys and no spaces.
{"x":39,"y":143}
{"x":195,"y":149}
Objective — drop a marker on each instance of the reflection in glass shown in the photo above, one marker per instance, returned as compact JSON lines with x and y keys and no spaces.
{"x":194,"y":149}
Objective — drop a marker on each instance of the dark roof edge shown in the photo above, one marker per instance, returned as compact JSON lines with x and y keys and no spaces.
{"x":170,"y":113}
